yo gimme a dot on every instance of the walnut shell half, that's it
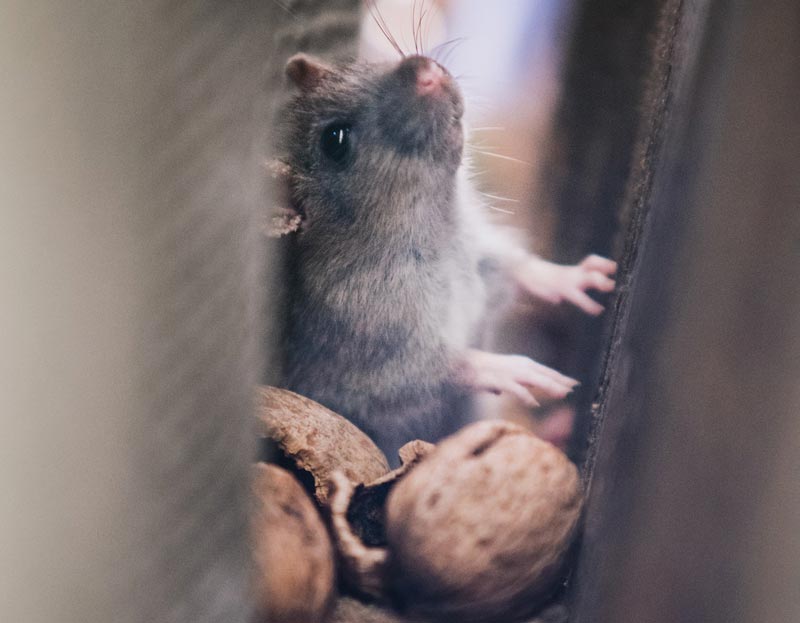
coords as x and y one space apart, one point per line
294 566
316 441
478 530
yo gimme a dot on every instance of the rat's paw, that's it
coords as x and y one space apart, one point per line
515 374
556 283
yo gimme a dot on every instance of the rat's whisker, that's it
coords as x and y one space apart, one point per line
452 49
441 46
496 209
501 156
448 55
380 22
432 12
414 26
418 13
424 30
419 26
499 198
446 48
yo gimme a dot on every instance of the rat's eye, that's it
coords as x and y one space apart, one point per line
336 141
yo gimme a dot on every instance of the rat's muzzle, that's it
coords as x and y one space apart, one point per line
423 108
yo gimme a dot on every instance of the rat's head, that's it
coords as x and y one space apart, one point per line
365 139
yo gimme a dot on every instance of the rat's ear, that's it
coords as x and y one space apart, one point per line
305 71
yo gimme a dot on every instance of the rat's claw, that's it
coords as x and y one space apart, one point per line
525 371
598 281
524 395
550 387
554 374
602 264
585 302
514 374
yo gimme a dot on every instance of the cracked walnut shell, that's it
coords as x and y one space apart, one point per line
313 441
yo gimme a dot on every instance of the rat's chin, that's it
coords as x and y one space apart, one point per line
446 149
455 138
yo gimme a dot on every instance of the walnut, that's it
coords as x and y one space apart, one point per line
479 529
313 441
358 520
294 565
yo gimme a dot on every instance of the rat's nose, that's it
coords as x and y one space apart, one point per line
430 77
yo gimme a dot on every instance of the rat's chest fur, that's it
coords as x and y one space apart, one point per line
377 311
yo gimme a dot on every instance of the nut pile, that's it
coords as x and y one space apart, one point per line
474 529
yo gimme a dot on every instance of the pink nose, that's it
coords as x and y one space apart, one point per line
429 78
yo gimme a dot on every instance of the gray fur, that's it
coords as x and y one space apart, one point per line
386 290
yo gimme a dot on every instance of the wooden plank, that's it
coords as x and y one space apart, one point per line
692 512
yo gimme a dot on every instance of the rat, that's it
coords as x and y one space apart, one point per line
394 267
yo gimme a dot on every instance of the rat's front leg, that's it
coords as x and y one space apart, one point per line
516 374
555 283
